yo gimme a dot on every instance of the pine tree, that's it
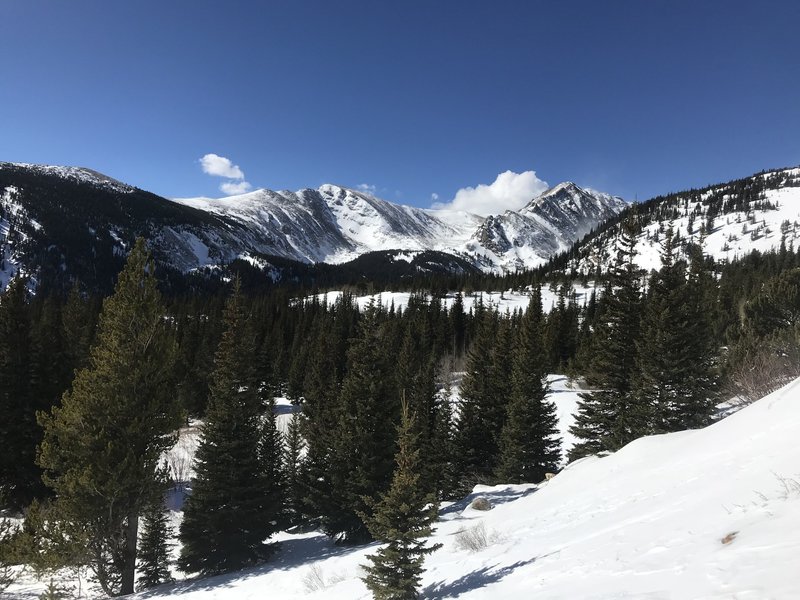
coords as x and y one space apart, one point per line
19 433
482 408
101 447
230 514
319 426
696 405
443 449
607 418
364 442
675 378
293 468
154 559
401 520
529 444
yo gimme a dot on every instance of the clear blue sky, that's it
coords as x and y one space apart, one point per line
632 97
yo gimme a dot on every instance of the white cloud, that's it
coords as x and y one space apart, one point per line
219 166
434 197
510 191
367 188
233 188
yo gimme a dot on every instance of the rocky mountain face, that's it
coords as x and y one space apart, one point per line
547 225
62 222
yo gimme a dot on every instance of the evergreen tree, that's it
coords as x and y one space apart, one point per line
293 468
656 382
474 439
101 447
675 378
319 426
696 405
529 444
401 519
230 513
607 418
154 559
363 447
19 475
443 449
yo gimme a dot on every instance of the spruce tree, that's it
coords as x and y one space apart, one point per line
293 469
101 447
401 520
675 379
154 558
319 426
481 411
529 444
229 515
607 417
19 475
696 405
364 442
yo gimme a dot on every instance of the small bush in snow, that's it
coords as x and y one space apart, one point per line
481 503
314 579
473 539
790 487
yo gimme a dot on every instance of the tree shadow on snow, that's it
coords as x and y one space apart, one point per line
472 581
290 553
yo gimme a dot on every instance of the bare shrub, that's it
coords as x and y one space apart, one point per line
179 461
766 369
790 487
472 539
314 579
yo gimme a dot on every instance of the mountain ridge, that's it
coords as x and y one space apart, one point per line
51 213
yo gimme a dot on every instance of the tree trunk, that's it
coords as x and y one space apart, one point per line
129 568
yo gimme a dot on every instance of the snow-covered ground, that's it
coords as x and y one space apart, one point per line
507 301
711 514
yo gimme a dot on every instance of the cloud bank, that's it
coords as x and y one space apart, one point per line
219 166
509 191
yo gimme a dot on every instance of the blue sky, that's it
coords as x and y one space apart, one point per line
636 98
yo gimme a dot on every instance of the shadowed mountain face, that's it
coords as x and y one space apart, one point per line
58 223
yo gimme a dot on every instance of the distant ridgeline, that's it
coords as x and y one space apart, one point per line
61 224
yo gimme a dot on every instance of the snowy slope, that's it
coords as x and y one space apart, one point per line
768 218
706 514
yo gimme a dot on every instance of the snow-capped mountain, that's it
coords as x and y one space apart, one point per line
64 221
727 220
334 224
547 225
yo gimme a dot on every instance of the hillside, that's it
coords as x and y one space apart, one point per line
728 220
